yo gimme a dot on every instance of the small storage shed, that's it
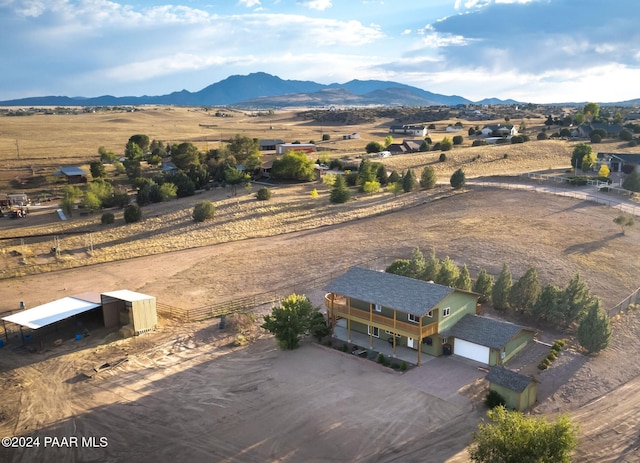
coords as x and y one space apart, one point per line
134 312
519 391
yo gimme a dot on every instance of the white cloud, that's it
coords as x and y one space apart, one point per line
406 32
249 3
319 5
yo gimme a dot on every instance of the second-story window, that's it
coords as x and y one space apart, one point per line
413 318
377 307
446 311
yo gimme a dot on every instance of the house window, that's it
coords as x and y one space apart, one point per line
446 311
374 331
430 314
377 307
413 318
391 334
444 340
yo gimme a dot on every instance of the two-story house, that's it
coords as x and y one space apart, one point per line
430 318
409 312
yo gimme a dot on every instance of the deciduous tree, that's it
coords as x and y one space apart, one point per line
290 321
512 437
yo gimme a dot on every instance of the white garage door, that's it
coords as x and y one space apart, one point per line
471 351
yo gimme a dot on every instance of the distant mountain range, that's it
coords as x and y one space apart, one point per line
263 91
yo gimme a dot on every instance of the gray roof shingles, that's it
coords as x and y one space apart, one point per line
508 378
407 295
484 331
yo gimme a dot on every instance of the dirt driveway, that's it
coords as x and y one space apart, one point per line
194 399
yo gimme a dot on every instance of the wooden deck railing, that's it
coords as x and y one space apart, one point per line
340 309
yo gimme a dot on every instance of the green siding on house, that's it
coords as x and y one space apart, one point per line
517 343
460 304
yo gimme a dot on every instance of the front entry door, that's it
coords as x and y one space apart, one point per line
411 343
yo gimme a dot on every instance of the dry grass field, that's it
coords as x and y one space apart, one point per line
183 382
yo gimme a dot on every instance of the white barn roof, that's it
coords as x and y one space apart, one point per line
126 295
51 312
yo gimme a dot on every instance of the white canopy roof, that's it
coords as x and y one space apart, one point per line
51 312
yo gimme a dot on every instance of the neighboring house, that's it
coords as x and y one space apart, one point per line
584 130
283 148
409 129
5 201
519 391
453 129
407 146
73 174
499 130
396 148
269 144
619 162
403 311
487 340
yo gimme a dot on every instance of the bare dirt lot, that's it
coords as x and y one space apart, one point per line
260 404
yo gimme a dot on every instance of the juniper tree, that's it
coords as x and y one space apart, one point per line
525 292
502 289
594 331
483 285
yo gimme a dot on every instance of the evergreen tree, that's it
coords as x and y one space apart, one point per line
428 178
393 177
526 291
448 273
340 192
464 279
409 182
547 304
483 285
594 331
417 264
502 289
381 174
578 300
432 267
458 179
632 181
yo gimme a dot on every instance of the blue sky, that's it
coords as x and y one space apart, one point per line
538 51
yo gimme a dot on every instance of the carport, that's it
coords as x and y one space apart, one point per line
52 312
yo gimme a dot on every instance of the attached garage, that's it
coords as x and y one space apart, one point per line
487 340
472 351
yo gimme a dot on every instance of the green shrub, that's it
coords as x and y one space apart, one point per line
381 359
203 210
552 355
403 366
543 365
263 194
132 213
506 155
443 157
107 218
345 348
494 399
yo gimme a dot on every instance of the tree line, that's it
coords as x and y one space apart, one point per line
565 307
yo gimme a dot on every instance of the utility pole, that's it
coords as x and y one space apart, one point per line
18 148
